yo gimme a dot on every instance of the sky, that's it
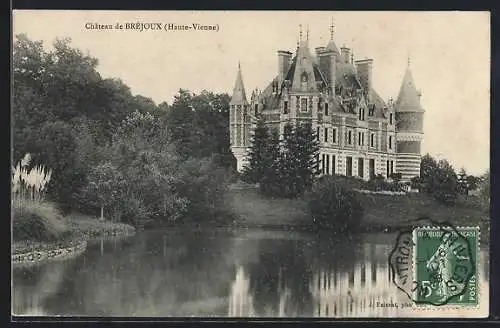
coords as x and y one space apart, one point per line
449 56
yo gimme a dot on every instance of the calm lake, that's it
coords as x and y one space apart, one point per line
220 273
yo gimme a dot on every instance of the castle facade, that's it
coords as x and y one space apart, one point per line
359 133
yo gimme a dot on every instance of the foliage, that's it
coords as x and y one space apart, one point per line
333 206
111 149
254 171
203 184
40 221
296 166
485 186
439 179
198 126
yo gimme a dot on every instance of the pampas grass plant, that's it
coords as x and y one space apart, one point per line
33 217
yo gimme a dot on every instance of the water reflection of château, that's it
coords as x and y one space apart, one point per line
363 290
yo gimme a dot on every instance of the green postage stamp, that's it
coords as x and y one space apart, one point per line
436 266
445 266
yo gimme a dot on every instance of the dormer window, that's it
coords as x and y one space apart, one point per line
371 110
326 109
303 80
390 118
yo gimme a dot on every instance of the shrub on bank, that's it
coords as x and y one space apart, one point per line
37 221
332 206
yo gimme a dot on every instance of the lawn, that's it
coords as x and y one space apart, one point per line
382 212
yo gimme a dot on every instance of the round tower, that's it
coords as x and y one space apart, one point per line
409 128
239 122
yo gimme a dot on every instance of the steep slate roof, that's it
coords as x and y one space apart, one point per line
408 98
379 104
304 64
346 76
239 96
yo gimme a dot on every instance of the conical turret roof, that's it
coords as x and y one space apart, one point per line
239 96
409 97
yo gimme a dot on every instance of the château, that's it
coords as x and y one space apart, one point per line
359 133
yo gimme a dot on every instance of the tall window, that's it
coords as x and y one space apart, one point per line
349 137
317 133
361 114
303 104
372 140
390 118
327 168
363 139
285 107
333 164
388 174
348 166
390 142
323 163
334 135
326 135
256 109
359 138
326 109
361 167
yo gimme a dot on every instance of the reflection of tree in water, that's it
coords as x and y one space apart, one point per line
36 284
151 274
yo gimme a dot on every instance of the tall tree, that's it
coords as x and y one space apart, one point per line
270 183
254 171
462 182
308 150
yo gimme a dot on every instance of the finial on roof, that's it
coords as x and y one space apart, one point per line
409 60
239 65
300 32
307 33
332 30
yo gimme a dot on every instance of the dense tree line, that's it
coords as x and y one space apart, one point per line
284 167
439 179
113 152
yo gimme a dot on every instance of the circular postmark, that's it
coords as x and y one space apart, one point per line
435 264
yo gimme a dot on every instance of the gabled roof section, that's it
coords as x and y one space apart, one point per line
303 69
409 97
239 96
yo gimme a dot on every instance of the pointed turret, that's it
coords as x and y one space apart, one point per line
331 45
409 97
409 128
239 96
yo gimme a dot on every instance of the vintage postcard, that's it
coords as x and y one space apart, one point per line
246 164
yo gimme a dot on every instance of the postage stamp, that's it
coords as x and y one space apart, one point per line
437 265
445 265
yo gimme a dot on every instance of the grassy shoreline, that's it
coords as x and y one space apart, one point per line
80 228
382 213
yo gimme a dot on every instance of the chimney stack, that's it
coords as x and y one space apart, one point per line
345 54
327 65
284 58
364 68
